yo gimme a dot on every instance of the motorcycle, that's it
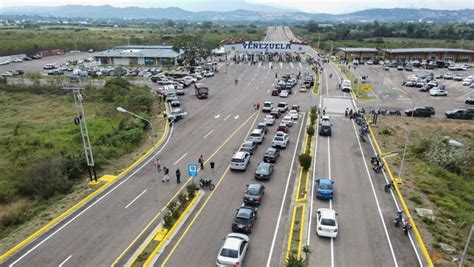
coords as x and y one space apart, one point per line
406 227
388 186
361 138
377 167
398 219
206 183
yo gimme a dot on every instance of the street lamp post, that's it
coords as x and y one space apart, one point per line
407 136
120 109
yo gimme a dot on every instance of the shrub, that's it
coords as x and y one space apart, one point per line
386 131
294 261
168 220
171 206
310 131
305 161
191 189
416 199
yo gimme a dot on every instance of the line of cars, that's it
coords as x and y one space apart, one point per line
234 248
284 86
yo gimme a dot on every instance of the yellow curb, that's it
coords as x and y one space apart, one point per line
160 245
108 178
84 200
161 234
402 201
292 225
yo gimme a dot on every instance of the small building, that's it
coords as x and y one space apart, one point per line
139 55
357 53
429 54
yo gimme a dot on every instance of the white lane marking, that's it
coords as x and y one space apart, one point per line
256 88
95 202
330 201
299 64
268 91
375 196
64 261
260 64
269 65
315 151
292 66
281 65
236 117
284 197
217 116
182 157
226 117
211 131
135 199
327 85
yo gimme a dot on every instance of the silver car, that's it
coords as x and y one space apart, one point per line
233 251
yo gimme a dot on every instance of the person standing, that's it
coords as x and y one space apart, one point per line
158 165
166 175
178 176
201 162
347 112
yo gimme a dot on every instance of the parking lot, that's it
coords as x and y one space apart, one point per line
38 64
390 93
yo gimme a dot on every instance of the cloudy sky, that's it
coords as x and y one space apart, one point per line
315 6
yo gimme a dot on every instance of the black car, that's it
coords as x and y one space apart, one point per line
420 112
325 129
249 146
461 114
425 88
470 99
244 219
254 194
264 171
271 155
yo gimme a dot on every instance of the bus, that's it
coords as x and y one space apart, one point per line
201 90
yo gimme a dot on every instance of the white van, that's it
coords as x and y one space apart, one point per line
240 160
257 135
346 86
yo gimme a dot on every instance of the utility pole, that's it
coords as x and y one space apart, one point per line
81 121
319 38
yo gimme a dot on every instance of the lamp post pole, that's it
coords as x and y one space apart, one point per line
120 109
406 138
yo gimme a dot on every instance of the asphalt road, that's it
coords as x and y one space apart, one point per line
96 234
389 93
366 236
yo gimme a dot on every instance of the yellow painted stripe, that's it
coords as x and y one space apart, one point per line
300 242
171 231
402 201
83 201
290 236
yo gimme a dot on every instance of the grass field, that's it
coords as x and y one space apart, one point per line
449 194
40 145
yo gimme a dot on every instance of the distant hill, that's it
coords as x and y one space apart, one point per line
269 15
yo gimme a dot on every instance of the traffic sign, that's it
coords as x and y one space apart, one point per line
192 170
366 87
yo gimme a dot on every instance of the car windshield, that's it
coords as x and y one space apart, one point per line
270 152
262 168
229 253
328 222
253 191
325 186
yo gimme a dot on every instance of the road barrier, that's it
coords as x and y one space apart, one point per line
108 179
402 201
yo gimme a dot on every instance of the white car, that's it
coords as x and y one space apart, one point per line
448 76
325 119
452 67
7 74
190 79
288 120
233 251
293 114
198 75
208 74
269 120
457 77
17 60
267 106
436 91
370 62
280 140
326 223
284 93
282 106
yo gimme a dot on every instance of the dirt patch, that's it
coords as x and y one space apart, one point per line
427 186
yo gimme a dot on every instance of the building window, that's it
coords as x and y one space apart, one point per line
149 61
465 58
448 58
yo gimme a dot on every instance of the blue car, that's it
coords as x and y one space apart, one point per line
324 189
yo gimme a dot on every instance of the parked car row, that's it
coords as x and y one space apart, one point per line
19 60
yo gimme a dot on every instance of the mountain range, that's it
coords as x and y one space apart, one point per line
271 15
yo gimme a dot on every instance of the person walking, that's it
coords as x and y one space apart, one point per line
166 175
347 112
178 176
158 164
350 114
201 162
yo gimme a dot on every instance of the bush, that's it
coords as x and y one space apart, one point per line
191 189
305 161
294 261
386 131
168 220
310 131
445 156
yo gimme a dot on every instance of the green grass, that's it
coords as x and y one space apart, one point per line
295 238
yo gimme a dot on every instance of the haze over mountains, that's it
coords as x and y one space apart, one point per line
259 13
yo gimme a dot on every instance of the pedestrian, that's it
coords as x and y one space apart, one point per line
201 162
276 75
158 164
347 112
350 114
324 111
212 165
178 176
166 175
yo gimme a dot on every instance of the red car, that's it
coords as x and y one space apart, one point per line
296 107
282 127
275 113
275 92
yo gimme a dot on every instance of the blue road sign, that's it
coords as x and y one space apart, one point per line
193 170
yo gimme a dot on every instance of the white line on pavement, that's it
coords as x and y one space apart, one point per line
284 197
236 117
217 116
176 162
64 261
226 117
93 204
375 196
256 88
135 199
211 131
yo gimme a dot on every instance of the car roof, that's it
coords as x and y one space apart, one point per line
257 131
232 242
240 154
263 163
269 116
327 213
245 212
254 186
325 181
272 149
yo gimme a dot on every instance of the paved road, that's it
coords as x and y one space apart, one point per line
366 235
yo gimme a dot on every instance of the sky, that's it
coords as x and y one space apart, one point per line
313 6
